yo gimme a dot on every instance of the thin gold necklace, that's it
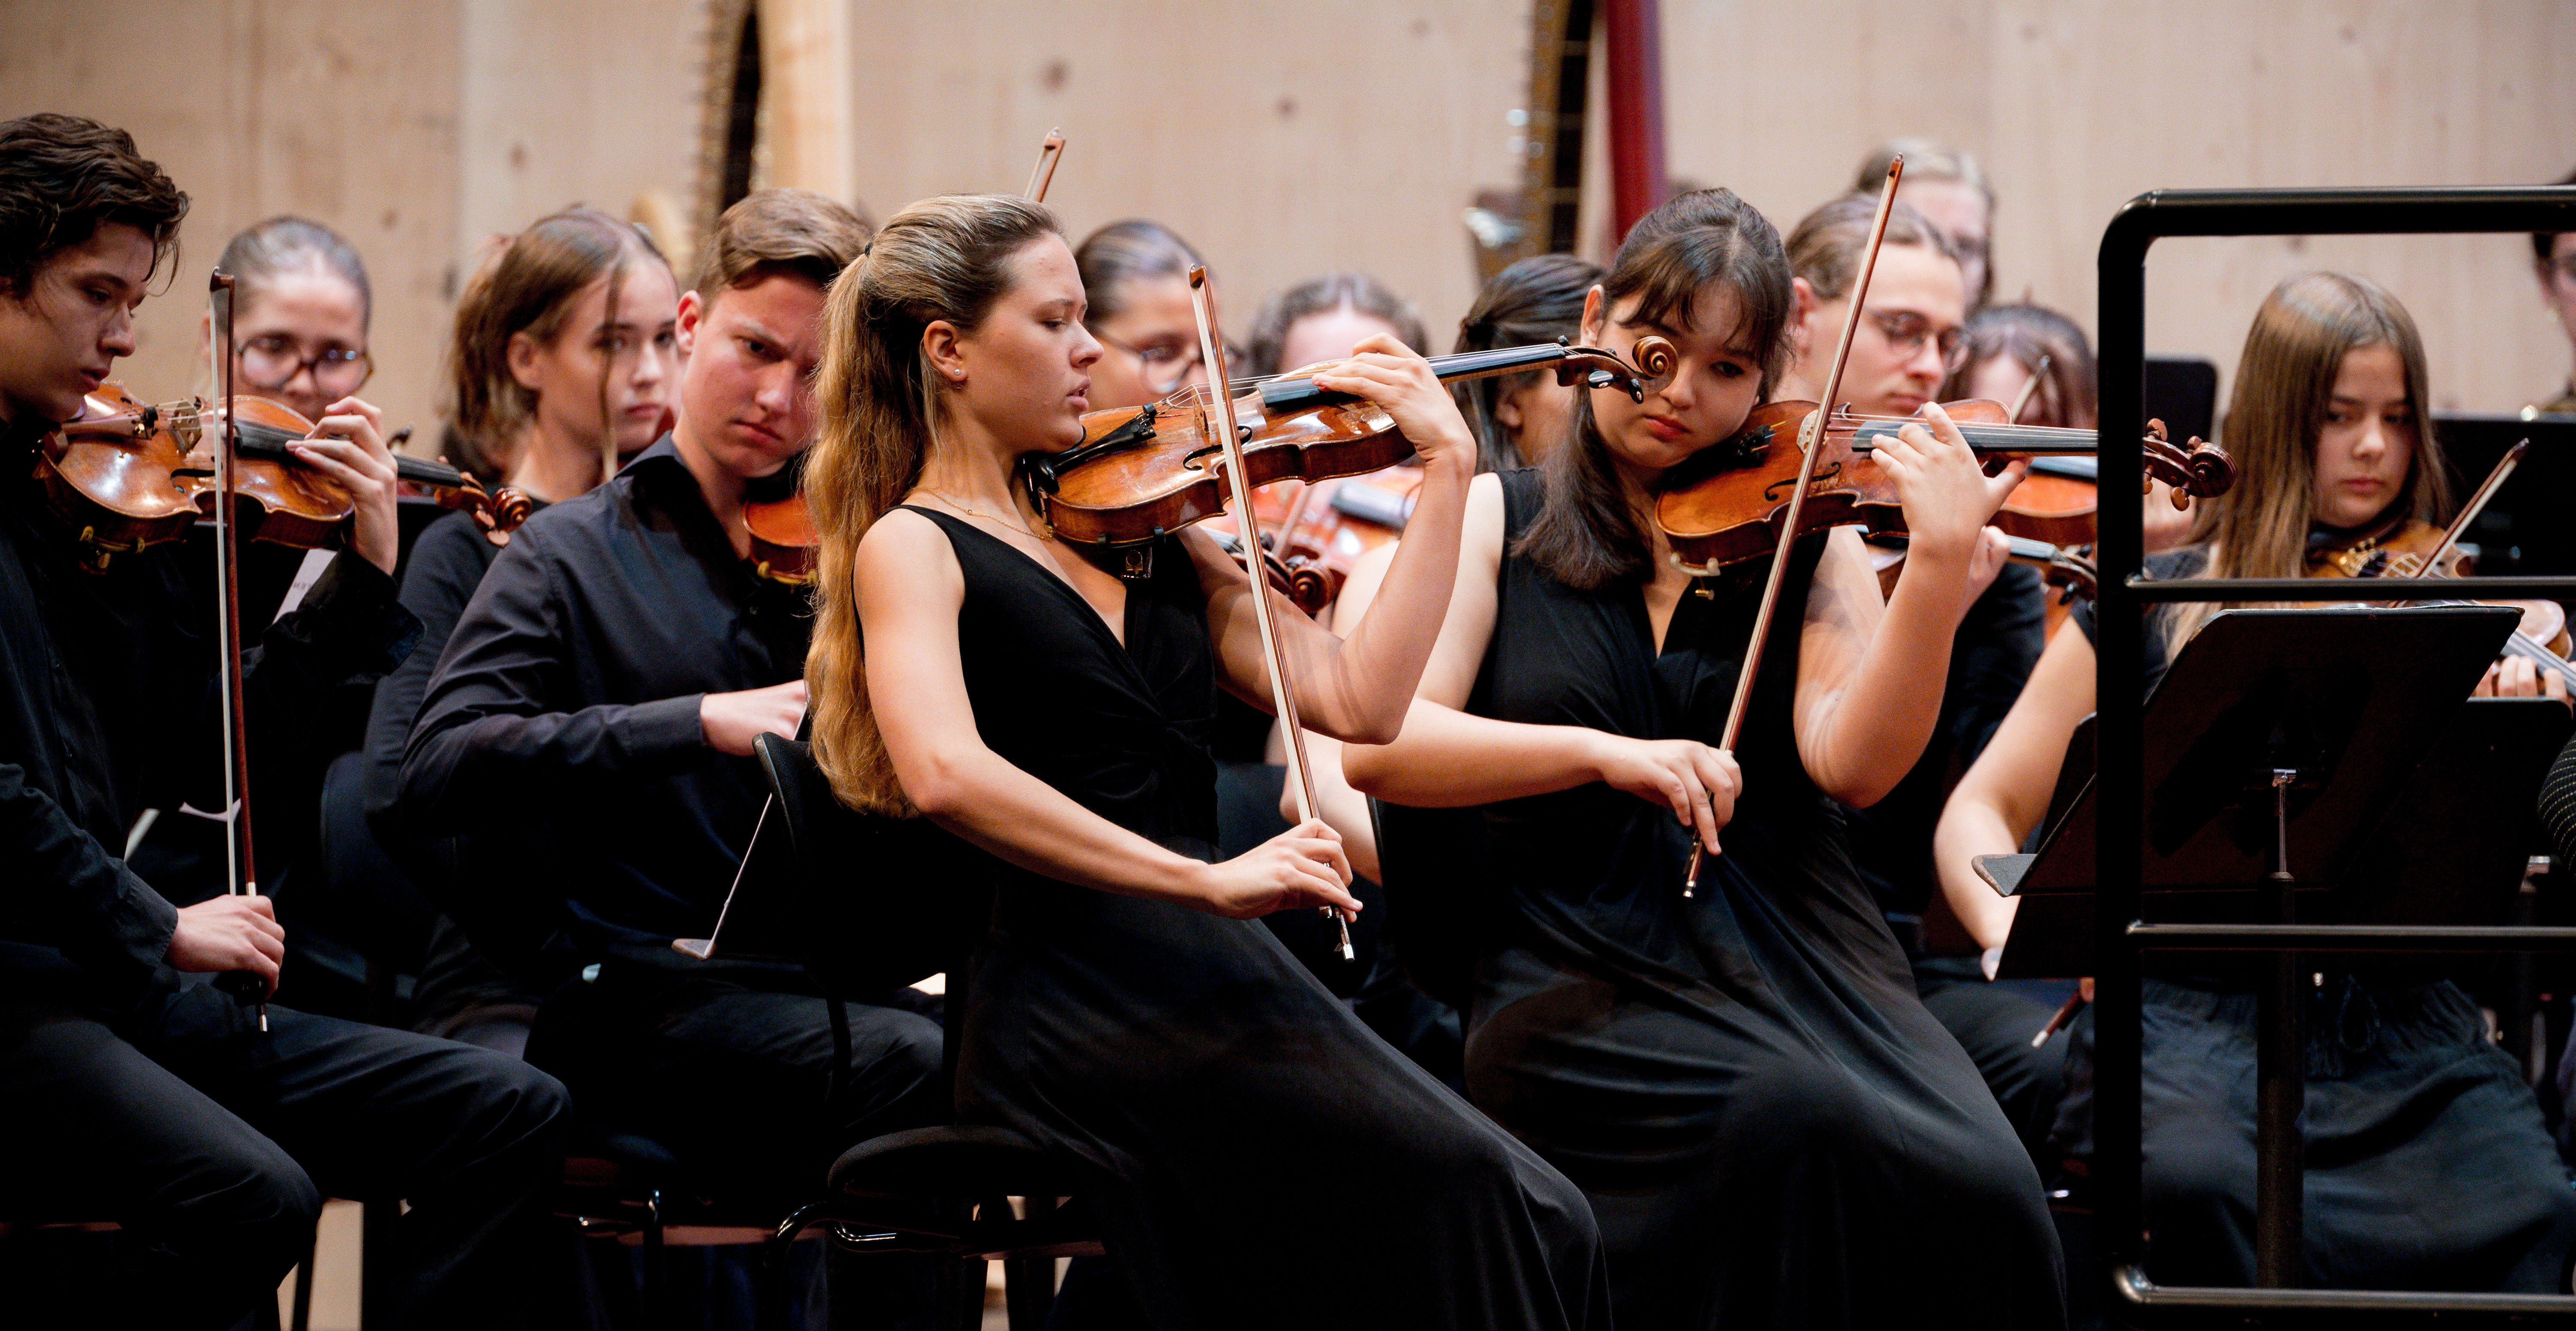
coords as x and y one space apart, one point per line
973 512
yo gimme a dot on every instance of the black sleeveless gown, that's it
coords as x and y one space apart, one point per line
1263 1160
1772 1129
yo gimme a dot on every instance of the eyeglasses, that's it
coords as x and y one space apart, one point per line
1162 365
272 360
1907 331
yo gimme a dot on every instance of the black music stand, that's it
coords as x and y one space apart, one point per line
2277 748
2349 699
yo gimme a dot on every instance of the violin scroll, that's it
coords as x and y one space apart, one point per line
2198 468
498 512
1649 366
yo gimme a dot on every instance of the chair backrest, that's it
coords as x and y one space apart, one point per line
2182 391
1435 865
874 903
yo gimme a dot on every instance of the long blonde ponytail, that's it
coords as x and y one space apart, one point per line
945 258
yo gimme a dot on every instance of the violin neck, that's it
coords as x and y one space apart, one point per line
2537 652
269 443
2042 440
1290 394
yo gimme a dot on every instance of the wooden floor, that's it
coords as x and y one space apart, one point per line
335 1277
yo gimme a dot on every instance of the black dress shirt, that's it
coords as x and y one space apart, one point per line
566 706
108 707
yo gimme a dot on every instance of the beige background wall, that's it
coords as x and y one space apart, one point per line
1285 140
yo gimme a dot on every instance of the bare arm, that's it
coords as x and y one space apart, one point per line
1870 676
1447 758
909 593
1356 687
2006 792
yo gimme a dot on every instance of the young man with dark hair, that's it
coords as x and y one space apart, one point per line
600 696
133 1090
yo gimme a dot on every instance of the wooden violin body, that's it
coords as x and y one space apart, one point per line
783 539
1321 530
1141 472
128 475
2050 506
1728 503
2401 554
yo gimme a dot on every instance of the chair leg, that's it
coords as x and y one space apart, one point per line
376 1223
657 1282
967 1313
1028 1283
304 1283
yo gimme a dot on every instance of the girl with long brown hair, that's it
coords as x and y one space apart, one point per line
561 360
564 354
1127 1011
2420 1115
1770 1127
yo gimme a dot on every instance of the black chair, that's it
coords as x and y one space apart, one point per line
944 1190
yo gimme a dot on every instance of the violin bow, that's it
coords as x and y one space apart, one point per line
1811 439
1220 425
2430 566
241 864
2028 390
1043 174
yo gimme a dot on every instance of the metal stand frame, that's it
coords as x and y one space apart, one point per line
2121 702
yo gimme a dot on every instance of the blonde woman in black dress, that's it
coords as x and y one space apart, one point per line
1260 1158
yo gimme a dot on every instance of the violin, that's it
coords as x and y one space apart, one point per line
2058 499
2414 548
128 475
1142 472
2541 638
1729 503
784 542
1325 528
2057 502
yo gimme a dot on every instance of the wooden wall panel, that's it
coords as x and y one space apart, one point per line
1282 142
2077 107
342 112
590 102
1343 134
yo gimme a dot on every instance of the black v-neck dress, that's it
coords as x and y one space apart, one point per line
1264 1161
1772 1129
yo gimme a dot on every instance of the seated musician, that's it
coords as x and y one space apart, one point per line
1136 274
2554 256
600 696
2004 348
299 317
561 364
1315 321
137 1092
2428 1166
1768 1125
1519 417
1902 350
1516 419
1949 188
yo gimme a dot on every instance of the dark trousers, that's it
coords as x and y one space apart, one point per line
732 1080
213 1146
